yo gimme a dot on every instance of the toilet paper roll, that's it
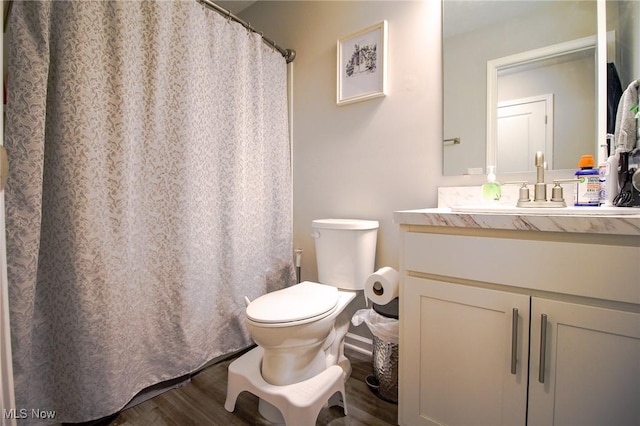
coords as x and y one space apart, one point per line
382 286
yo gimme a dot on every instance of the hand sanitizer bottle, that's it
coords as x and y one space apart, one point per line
491 190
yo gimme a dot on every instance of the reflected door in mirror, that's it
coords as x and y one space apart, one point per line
523 129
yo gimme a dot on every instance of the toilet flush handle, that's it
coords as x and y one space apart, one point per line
315 234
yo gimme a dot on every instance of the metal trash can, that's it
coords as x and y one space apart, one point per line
385 369
384 380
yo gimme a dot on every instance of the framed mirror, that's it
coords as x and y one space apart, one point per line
505 62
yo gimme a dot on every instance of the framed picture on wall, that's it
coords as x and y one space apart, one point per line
362 65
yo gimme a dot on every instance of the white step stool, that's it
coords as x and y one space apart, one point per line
299 403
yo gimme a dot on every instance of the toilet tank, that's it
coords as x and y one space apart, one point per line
345 251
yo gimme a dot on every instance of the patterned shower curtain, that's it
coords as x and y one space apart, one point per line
149 193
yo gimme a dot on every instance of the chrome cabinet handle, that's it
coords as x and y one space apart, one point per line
543 347
514 340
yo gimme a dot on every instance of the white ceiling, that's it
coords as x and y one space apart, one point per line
235 6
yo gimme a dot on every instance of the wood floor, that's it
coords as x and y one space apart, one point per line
201 402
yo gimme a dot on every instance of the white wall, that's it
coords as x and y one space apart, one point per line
367 159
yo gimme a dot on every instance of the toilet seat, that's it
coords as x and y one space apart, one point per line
299 304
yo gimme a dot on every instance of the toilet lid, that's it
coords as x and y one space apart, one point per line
295 303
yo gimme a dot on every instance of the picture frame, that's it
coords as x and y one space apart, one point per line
362 65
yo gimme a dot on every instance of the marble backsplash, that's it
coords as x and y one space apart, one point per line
450 196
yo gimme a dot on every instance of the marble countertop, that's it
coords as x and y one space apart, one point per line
610 224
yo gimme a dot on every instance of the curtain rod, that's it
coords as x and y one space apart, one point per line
288 54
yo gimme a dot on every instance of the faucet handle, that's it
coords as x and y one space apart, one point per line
523 193
556 192
539 160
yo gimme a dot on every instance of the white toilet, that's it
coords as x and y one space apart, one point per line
300 328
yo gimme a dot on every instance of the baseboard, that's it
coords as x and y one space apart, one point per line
359 344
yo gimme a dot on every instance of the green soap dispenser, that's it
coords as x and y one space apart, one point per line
491 190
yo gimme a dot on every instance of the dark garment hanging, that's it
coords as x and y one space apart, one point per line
614 93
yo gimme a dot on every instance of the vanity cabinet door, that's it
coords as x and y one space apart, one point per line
590 365
463 362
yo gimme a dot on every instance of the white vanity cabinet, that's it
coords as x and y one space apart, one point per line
474 304
591 362
457 355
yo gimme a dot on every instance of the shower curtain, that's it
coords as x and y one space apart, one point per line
149 193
